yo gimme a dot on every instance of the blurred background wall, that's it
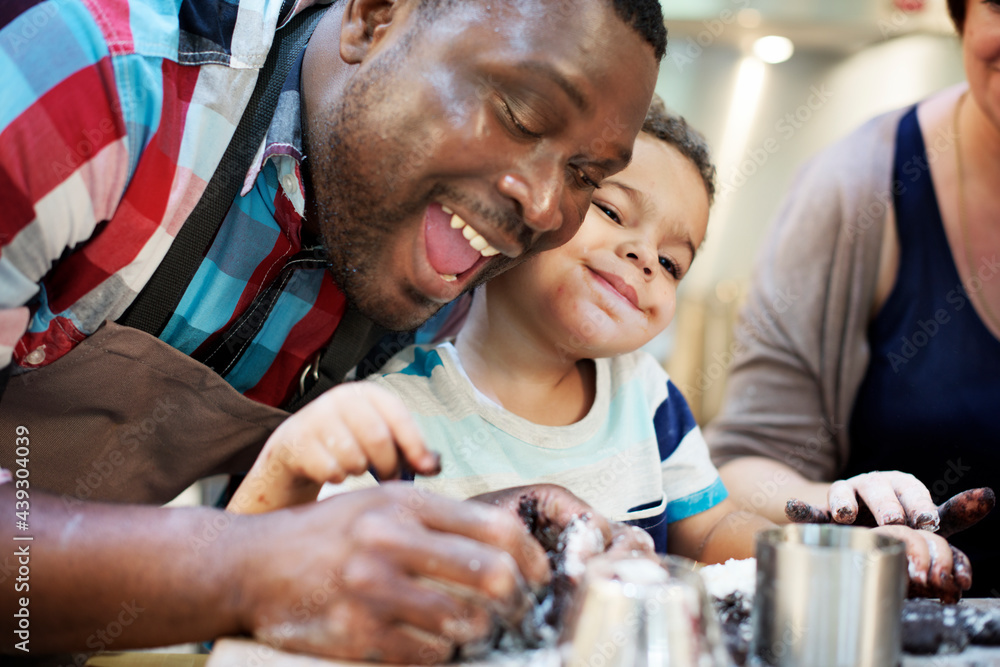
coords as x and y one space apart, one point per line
849 60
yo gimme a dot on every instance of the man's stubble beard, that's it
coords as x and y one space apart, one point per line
357 213
355 217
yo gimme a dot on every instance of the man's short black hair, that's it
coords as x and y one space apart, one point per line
646 17
643 16
957 10
674 130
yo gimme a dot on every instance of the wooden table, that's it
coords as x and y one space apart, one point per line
147 660
242 652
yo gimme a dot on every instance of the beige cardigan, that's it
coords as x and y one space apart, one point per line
803 332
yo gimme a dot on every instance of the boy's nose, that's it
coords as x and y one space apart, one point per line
643 258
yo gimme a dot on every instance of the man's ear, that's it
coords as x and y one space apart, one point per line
363 25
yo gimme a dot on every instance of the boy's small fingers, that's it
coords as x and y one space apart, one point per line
350 454
372 435
407 436
319 465
434 466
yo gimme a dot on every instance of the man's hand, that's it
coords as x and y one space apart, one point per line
391 574
345 431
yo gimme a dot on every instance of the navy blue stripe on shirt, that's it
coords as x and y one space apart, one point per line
673 420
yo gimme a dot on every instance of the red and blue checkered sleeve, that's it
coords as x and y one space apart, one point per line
64 144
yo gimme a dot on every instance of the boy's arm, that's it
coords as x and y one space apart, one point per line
345 431
717 534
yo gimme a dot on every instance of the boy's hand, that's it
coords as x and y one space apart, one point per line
552 506
344 432
629 541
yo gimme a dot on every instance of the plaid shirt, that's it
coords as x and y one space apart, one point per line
114 116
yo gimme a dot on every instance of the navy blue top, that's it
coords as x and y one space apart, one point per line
930 400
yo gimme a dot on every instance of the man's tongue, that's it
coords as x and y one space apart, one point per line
448 252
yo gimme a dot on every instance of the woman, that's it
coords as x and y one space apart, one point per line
889 356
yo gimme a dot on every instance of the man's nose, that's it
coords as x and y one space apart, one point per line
538 194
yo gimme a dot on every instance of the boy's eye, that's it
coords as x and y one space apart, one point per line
672 267
608 212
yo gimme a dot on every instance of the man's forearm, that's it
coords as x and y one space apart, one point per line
764 486
102 577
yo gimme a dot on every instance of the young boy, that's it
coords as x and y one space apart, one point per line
545 382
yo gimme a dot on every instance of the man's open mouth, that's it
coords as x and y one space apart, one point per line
453 246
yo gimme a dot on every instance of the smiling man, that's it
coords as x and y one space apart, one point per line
514 111
417 148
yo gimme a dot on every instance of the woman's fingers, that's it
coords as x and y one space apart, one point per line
799 511
879 493
965 509
936 569
962 569
843 502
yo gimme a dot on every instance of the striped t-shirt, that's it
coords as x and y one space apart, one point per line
637 455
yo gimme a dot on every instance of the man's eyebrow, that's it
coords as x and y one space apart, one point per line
615 164
575 95
638 199
581 102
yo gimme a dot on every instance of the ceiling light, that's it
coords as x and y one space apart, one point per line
773 49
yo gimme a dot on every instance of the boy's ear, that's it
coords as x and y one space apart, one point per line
363 25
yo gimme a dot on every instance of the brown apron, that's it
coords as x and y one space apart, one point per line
128 418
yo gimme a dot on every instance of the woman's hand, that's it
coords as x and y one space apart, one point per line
901 507
936 569
894 498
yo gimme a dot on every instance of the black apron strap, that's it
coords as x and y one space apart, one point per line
152 308
354 336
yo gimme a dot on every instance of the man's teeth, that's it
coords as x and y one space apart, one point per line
448 277
475 239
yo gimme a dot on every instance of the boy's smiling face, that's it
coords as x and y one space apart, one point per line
613 286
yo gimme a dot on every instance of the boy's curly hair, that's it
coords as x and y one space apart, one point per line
674 130
957 10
